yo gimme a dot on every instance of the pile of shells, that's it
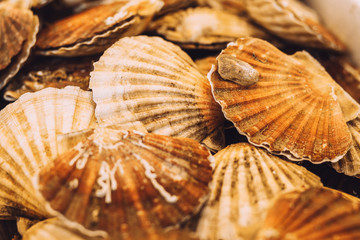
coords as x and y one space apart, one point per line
169 119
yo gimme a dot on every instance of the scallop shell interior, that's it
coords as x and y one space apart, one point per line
317 213
28 141
292 20
292 110
245 181
127 183
158 86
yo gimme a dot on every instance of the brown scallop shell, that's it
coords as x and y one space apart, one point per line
205 64
205 28
95 29
28 141
245 181
129 184
292 110
157 86
18 29
232 6
317 213
292 20
350 164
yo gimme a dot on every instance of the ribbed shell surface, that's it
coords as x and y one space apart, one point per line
292 110
294 21
233 6
18 29
129 184
151 81
28 133
205 28
317 213
350 164
245 181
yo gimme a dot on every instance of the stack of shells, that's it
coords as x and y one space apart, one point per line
139 151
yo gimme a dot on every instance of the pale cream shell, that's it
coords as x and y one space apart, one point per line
232 6
246 179
150 81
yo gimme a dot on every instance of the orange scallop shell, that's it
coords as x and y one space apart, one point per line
292 110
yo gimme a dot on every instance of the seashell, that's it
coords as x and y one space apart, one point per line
162 90
18 35
23 224
45 72
231 6
205 28
350 164
109 22
140 183
205 64
174 5
317 213
28 3
245 181
8 230
294 108
28 141
292 20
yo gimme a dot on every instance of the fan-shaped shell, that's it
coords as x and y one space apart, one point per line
94 30
18 29
294 21
127 183
245 181
317 213
292 110
28 141
28 3
205 64
174 5
158 85
350 164
205 28
232 6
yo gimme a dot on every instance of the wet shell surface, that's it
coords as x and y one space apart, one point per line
245 181
18 29
95 29
350 164
294 21
129 184
205 28
28 133
317 213
293 109
158 86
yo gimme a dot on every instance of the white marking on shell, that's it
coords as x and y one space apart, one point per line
81 158
114 19
73 184
149 173
139 133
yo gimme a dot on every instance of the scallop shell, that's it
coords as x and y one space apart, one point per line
107 24
294 21
205 28
292 110
317 213
232 6
28 141
350 164
205 64
158 86
128 184
245 181
28 3
174 5
18 34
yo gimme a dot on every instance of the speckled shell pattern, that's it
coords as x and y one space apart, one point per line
158 85
94 30
350 164
205 28
28 140
246 179
128 184
317 213
292 110
18 29
294 21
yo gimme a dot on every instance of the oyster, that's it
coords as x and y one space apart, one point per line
295 107
205 28
157 86
28 142
317 213
292 20
245 181
18 34
76 35
126 183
